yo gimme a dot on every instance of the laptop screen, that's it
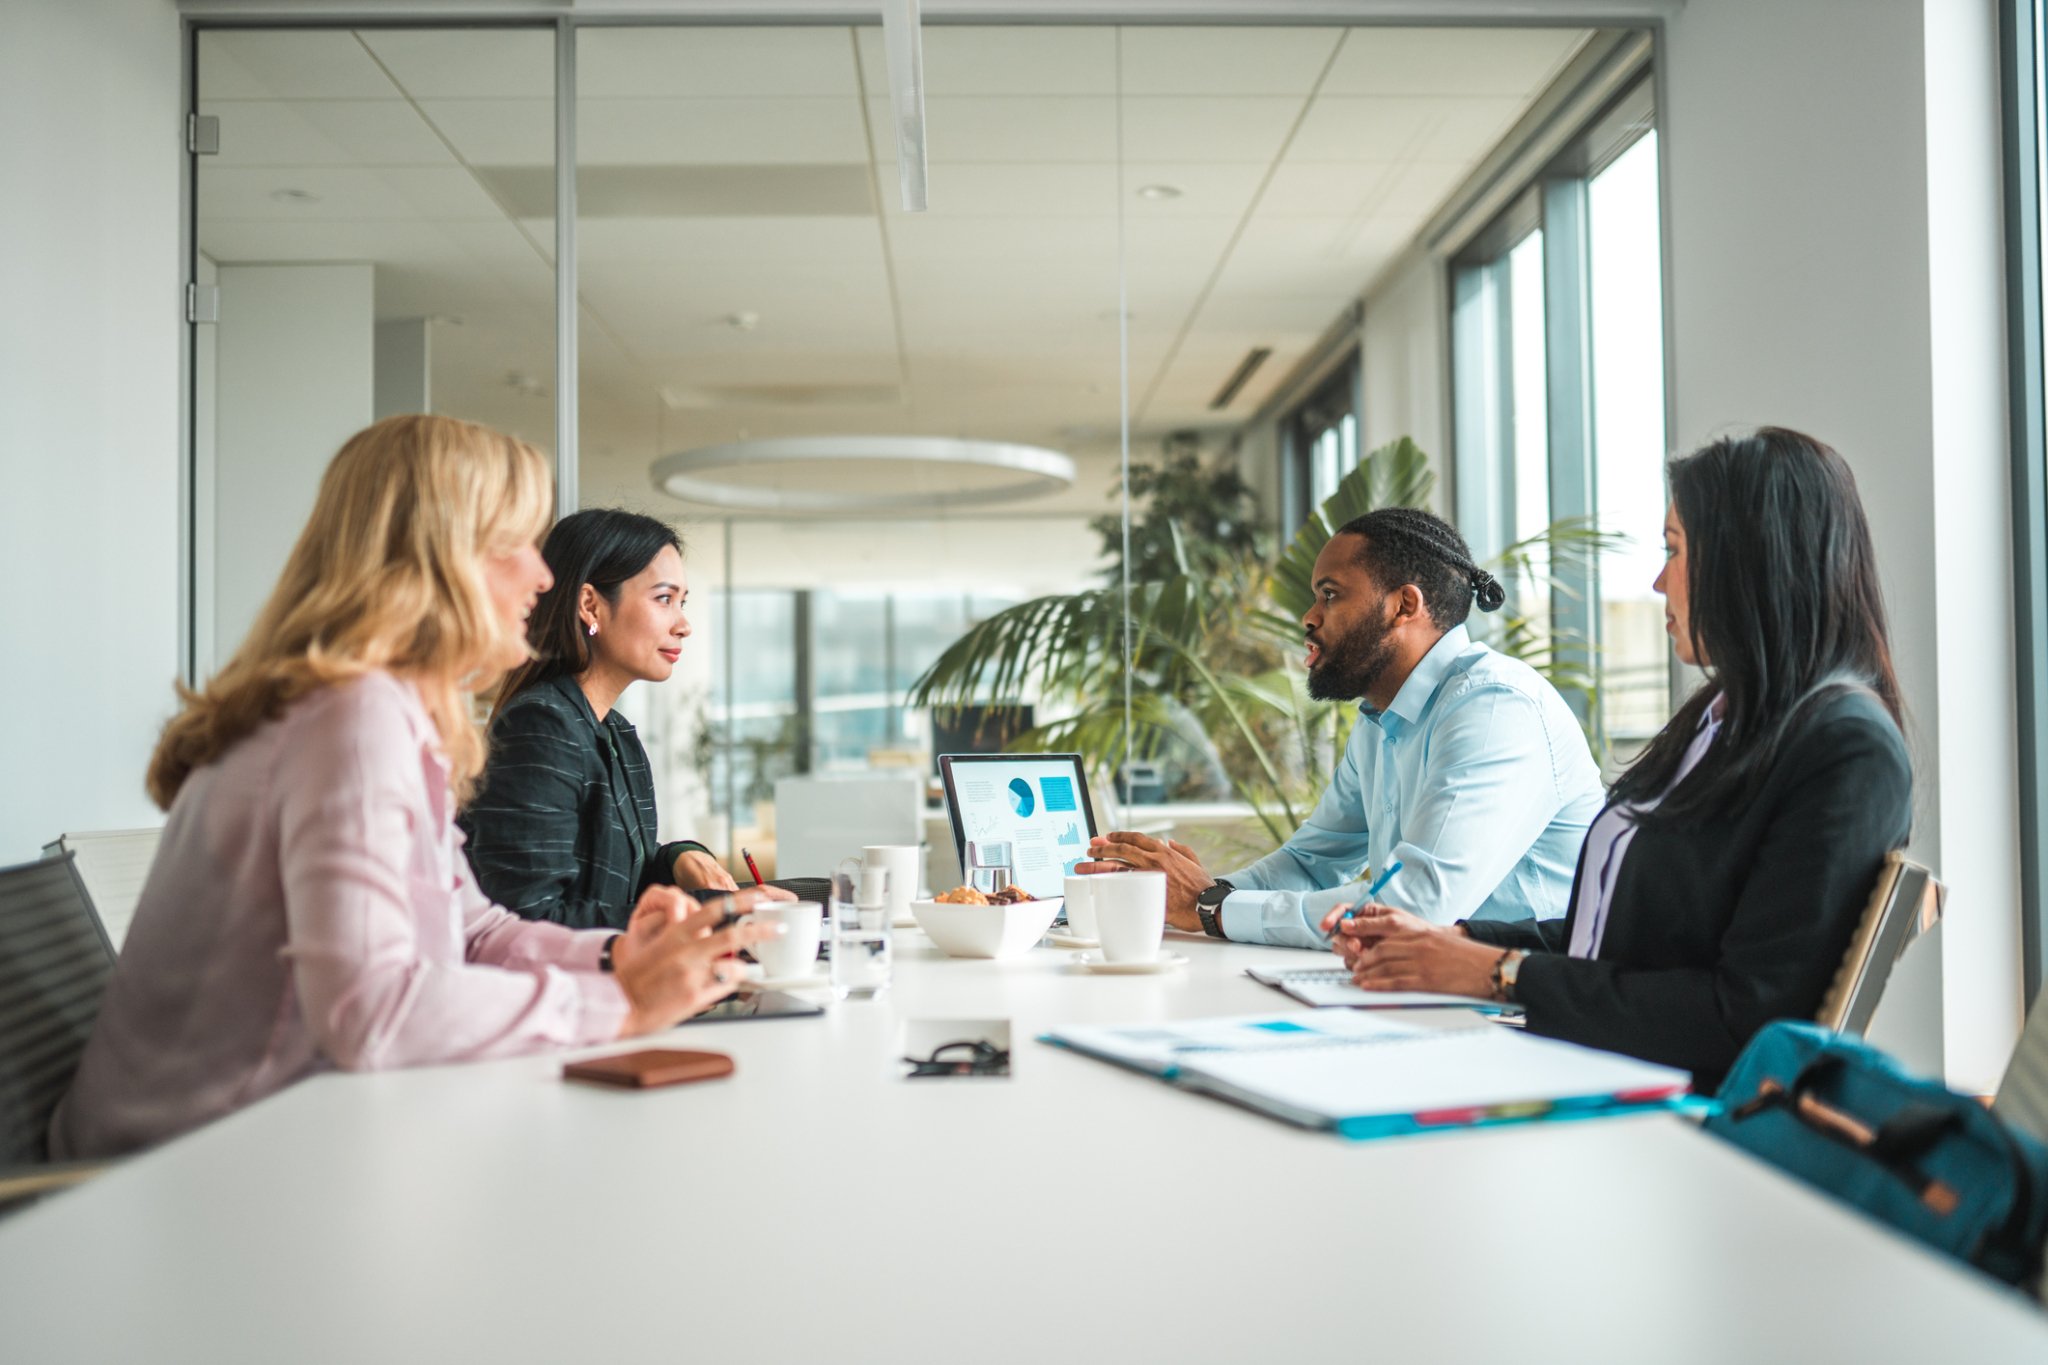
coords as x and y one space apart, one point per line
1037 802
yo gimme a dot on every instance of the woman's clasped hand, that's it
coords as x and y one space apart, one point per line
1386 949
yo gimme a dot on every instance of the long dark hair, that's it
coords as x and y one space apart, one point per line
601 546
1783 604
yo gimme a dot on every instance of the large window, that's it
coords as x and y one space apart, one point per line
1628 439
1321 437
1558 378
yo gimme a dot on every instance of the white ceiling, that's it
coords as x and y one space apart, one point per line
1308 158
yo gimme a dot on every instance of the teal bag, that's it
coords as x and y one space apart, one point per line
1938 1166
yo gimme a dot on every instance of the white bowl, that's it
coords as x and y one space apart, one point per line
986 930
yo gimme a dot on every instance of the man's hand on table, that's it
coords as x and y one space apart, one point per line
1123 850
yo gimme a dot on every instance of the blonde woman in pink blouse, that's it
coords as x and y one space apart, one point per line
310 906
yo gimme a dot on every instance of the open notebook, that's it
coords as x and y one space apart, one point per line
1327 986
1366 1075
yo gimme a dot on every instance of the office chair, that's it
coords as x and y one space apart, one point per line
54 964
1906 902
112 865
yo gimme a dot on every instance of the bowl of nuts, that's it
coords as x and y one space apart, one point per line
965 922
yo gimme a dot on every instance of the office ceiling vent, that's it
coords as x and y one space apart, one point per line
1239 377
819 191
682 397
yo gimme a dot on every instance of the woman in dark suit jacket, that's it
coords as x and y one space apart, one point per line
1721 885
562 826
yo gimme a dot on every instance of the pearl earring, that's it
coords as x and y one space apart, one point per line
593 628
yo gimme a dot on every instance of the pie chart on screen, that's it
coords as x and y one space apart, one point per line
1021 799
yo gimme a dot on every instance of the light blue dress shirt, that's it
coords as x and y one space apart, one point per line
1476 779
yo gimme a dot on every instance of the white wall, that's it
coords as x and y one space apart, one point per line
296 378
1406 347
89 410
1834 262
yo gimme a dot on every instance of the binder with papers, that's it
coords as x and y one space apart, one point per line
1367 1075
1324 987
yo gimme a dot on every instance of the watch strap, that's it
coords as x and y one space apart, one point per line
604 954
1209 907
1507 970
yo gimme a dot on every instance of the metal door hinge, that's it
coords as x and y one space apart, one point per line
202 303
202 134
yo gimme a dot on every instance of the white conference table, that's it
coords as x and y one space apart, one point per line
816 1206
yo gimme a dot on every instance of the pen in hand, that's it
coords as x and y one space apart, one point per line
1379 884
753 868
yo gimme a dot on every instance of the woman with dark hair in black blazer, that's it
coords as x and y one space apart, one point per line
562 826
1721 885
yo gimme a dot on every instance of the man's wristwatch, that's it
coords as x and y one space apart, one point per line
1507 970
1209 907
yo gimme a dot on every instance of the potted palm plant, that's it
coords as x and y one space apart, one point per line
1201 666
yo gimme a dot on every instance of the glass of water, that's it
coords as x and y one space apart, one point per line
859 912
988 866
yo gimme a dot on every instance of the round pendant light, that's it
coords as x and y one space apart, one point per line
861 473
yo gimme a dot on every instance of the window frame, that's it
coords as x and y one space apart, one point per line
2025 120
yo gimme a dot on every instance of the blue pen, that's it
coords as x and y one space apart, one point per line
1379 884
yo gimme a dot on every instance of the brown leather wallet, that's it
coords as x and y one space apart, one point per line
651 1067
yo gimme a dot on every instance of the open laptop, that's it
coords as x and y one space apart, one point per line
1037 803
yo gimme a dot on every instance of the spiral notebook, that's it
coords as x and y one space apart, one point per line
1324 987
1365 1075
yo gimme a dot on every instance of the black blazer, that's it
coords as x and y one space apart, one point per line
562 826
1718 928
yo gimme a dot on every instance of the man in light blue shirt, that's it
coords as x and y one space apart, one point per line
1466 767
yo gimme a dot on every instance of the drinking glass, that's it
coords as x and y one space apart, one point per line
859 912
988 866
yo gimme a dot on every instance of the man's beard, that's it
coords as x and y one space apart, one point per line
1350 666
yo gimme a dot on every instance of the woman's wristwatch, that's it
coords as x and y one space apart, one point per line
604 954
1507 970
1209 907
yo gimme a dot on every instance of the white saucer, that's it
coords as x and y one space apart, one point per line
907 922
1059 940
1092 962
810 980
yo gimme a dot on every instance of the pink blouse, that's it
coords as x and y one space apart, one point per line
310 907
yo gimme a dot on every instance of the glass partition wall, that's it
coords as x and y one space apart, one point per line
887 437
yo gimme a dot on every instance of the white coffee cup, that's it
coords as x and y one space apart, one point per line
795 951
1080 893
900 861
1130 914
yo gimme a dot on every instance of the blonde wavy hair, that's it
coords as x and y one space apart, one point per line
388 574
